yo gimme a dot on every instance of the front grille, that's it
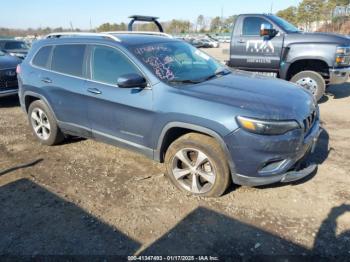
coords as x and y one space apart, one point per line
309 121
8 78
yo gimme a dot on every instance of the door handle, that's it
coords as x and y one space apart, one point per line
46 80
94 91
241 41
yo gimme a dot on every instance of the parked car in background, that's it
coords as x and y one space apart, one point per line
14 47
267 43
211 43
172 102
8 77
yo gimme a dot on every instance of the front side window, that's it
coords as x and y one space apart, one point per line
69 59
108 64
41 59
15 45
177 61
252 26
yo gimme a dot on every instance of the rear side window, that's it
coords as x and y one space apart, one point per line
252 25
108 64
41 58
68 59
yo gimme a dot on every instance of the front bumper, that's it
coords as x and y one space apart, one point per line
251 154
339 75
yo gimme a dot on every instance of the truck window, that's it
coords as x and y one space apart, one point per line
252 25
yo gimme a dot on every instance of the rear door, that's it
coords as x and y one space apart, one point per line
64 87
252 52
117 115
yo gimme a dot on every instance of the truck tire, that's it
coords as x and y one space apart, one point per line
43 124
311 81
196 164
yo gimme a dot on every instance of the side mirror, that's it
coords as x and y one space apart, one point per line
131 80
267 30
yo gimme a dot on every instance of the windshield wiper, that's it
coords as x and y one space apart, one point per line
184 81
218 73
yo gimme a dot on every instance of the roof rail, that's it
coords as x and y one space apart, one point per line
73 34
140 33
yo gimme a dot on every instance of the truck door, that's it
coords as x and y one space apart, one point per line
250 51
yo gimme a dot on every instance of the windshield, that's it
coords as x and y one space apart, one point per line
16 45
2 53
178 62
284 24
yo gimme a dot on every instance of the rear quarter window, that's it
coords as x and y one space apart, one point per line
69 59
41 58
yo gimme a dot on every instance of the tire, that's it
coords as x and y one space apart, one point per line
43 124
311 81
211 175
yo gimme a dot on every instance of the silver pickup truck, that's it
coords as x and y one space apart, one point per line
267 43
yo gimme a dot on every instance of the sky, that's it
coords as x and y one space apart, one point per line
60 13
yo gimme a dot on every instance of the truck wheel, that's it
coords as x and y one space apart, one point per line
311 81
43 124
196 164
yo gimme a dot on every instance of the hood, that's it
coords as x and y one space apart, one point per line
257 96
7 61
18 51
320 38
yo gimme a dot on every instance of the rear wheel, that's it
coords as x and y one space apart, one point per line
43 124
196 164
311 81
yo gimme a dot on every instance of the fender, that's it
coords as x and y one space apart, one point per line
306 51
201 129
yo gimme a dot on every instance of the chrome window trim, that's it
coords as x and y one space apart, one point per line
149 86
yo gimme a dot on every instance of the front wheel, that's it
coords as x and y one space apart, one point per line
311 81
196 164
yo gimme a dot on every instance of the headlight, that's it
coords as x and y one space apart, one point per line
264 127
342 55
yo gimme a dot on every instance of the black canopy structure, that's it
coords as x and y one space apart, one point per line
142 18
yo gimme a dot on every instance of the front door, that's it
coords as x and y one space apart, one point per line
254 52
121 115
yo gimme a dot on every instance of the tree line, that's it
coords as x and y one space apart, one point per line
307 12
175 26
310 11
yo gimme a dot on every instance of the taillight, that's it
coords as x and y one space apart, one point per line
18 69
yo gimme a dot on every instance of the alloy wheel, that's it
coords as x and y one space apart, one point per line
193 170
40 123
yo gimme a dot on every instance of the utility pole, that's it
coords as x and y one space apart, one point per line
271 9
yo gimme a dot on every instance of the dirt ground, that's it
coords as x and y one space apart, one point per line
88 198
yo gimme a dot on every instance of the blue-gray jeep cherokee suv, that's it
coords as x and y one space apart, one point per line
173 103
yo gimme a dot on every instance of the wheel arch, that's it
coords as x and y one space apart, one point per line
29 97
174 130
316 64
